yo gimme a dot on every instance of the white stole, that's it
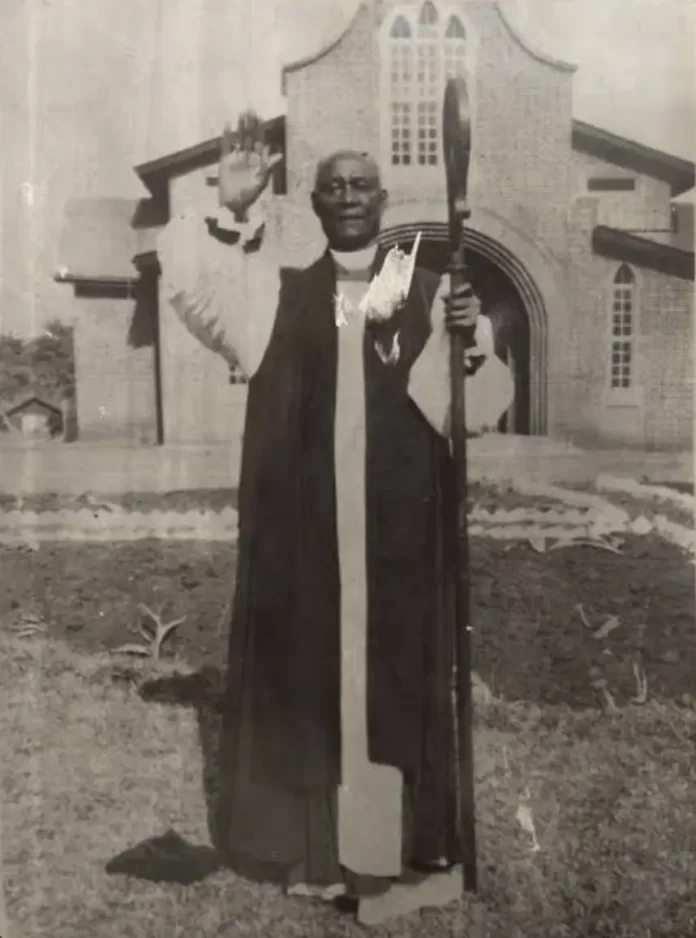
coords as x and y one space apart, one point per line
370 836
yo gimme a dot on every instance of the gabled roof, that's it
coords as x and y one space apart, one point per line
622 246
586 138
678 172
23 400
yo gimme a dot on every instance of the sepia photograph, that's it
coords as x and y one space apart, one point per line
347 510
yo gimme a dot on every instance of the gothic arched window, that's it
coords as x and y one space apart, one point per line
623 328
423 48
428 15
400 29
455 48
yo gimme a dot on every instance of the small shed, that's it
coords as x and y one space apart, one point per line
36 415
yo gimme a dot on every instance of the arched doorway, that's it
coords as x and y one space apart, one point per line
500 301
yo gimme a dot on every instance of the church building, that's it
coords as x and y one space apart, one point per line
577 242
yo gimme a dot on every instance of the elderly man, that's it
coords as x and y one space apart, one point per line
343 542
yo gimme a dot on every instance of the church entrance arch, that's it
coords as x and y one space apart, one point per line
512 298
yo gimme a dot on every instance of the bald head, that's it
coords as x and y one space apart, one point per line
327 166
348 199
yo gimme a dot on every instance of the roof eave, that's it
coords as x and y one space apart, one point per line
595 141
664 258
106 280
16 405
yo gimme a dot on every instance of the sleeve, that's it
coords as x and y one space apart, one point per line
224 294
489 392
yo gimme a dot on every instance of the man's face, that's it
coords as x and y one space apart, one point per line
348 200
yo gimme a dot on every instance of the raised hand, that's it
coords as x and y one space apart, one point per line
245 166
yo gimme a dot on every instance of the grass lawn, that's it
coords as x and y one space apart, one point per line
102 766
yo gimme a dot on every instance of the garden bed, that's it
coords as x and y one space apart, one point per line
530 641
487 495
181 501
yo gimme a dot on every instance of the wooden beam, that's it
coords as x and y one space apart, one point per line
643 252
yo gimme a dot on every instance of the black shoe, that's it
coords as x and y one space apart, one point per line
346 905
428 867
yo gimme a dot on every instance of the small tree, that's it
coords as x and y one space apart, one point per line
43 363
53 360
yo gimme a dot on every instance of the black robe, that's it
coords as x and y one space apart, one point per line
282 697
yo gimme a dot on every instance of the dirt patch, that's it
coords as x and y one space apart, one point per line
189 500
530 643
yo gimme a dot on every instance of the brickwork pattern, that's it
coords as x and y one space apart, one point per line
115 381
525 175
659 413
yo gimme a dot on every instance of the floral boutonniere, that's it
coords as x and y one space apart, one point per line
389 289
385 294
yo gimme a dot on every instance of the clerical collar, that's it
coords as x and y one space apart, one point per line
355 260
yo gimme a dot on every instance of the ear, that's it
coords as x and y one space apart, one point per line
315 203
384 198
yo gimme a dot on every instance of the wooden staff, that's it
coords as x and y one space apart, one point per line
457 149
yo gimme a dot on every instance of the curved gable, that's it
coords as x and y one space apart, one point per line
325 49
528 47
513 31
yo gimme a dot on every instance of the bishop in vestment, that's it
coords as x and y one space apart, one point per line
345 469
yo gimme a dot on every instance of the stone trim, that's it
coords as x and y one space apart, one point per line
583 516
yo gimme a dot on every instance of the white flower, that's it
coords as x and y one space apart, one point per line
342 309
392 356
388 290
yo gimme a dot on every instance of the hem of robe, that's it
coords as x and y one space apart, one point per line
310 850
274 834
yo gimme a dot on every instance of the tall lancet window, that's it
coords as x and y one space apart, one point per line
401 91
623 329
422 48
455 48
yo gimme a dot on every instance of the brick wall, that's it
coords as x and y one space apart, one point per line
666 327
658 411
521 132
532 188
115 381
330 105
647 207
